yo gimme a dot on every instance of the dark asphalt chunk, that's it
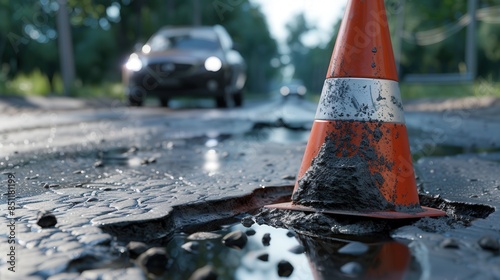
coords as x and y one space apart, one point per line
488 243
46 220
285 269
299 249
135 249
266 239
247 221
235 239
263 257
154 261
250 232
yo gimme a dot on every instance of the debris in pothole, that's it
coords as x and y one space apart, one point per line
247 221
488 243
46 220
285 269
205 273
203 236
236 239
353 269
154 261
135 249
354 248
266 239
298 249
263 257
191 247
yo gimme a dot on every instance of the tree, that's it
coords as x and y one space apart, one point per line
105 32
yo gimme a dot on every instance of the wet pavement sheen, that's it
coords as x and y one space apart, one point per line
123 172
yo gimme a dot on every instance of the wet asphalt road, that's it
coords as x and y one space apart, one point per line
113 160
62 141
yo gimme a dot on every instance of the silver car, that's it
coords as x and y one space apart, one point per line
186 61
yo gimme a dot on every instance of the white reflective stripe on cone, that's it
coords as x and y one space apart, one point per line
359 99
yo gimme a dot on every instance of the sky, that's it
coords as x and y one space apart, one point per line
322 13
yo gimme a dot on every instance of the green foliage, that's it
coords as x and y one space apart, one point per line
28 35
479 88
34 83
311 64
28 39
102 90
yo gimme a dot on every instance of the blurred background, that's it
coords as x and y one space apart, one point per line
446 48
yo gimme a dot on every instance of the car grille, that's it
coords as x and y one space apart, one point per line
171 70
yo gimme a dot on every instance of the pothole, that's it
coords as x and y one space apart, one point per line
460 211
280 243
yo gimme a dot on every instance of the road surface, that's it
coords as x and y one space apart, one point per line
106 170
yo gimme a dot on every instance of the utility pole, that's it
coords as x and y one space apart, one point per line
66 56
399 35
471 47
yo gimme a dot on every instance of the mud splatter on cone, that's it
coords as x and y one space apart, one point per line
358 161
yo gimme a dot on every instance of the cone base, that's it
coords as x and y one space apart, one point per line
390 215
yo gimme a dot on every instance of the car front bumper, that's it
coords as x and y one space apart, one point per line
197 84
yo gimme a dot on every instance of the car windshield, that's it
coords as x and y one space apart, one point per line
191 40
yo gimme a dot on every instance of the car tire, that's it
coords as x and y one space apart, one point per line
164 101
238 98
222 101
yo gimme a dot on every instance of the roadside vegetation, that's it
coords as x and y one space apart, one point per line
104 33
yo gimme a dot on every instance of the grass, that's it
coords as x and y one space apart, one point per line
37 84
478 88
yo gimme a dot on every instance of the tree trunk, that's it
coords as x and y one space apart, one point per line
65 47
196 13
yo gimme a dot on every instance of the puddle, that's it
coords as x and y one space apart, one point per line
274 253
254 261
305 246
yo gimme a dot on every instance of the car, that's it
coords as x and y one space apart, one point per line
186 62
293 88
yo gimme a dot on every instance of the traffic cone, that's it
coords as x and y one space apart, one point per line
357 160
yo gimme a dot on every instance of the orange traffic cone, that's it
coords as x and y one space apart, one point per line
358 161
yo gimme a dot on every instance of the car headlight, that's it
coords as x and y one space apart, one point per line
213 64
285 91
134 63
301 90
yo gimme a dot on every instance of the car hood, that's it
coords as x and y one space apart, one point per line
180 56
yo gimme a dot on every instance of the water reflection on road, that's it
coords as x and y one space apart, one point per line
309 257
